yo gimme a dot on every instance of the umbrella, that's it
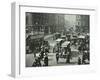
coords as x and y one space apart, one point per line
74 50
57 33
81 37
63 36
58 40
65 43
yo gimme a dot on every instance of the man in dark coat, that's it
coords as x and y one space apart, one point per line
57 57
46 60
42 53
68 58
79 60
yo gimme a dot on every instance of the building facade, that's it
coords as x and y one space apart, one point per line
44 23
82 23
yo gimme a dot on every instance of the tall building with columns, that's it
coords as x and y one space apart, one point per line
45 22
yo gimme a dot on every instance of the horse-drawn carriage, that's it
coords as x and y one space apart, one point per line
63 50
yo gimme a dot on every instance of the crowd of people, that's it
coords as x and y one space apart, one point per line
42 59
64 53
82 48
42 47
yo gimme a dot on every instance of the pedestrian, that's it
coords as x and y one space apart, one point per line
34 63
42 53
46 60
57 57
79 60
39 61
83 58
68 58
46 50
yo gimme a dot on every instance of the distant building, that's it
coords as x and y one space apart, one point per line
44 22
82 23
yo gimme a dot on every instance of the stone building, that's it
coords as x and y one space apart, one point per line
46 23
82 23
